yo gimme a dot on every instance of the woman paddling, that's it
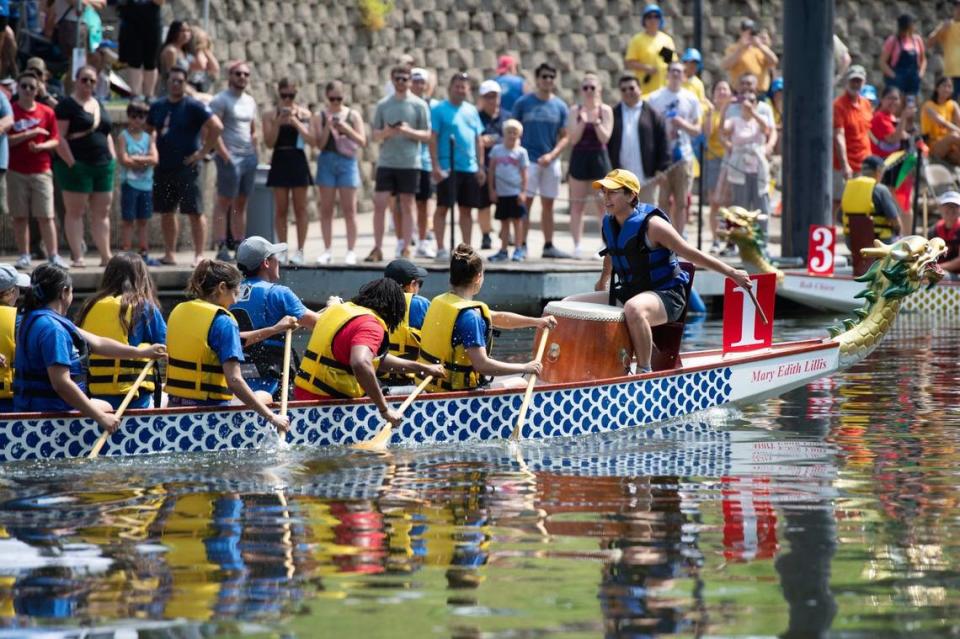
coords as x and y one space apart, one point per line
349 346
458 330
125 308
48 374
206 349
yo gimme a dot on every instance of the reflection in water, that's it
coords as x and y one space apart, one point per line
829 511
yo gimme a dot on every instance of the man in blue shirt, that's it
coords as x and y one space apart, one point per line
511 83
459 183
544 119
179 121
262 303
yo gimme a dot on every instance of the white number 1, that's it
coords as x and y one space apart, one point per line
748 319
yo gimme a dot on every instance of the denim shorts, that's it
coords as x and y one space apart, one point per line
135 204
337 171
237 176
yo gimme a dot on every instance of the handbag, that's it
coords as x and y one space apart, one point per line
345 145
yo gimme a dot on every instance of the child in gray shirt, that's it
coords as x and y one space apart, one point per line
508 188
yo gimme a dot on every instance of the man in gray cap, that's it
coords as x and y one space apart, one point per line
405 339
948 230
865 195
264 310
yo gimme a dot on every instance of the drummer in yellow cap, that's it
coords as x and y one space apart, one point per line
642 249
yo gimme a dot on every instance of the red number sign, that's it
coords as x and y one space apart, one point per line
821 249
743 325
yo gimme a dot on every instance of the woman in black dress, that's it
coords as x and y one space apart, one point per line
286 129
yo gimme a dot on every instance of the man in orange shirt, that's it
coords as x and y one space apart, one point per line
852 115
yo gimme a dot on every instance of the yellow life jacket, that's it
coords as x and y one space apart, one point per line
194 370
858 200
320 373
108 376
436 344
404 343
8 347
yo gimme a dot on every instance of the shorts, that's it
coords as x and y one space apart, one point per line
678 184
711 171
543 180
839 182
484 201
4 210
236 178
397 181
426 190
589 164
674 299
509 208
179 189
337 171
31 194
135 204
139 36
84 177
464 190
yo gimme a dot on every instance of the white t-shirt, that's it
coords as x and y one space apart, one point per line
630 153
684 104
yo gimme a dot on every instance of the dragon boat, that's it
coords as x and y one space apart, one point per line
838 292
583 402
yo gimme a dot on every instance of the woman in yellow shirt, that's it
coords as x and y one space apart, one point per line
940 122
713 158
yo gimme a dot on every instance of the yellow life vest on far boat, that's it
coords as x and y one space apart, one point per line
858 200
108 376
320 373
8 347
194 370
436 344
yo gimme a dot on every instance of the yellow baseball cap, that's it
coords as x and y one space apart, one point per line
619 179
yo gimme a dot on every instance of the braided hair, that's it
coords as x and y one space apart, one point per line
385 298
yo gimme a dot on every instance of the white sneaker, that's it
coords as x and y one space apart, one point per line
56 260
283 257
442 255
427 248
297 258
23 262
325 258
399 251
578 253
350 259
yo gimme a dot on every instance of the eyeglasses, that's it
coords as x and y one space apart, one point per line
588 87
87 80
28 87
547 76
334 98
604 191
242 74
628 88
461 76
401 78
287 96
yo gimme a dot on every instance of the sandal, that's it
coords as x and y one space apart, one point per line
167 262
81 263
376 255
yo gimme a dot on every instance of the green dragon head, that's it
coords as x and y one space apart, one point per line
900 269
744 229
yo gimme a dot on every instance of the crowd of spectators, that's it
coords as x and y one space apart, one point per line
432 155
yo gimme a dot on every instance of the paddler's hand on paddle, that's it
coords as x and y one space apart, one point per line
741 277
109 422
286 323
533 368
281 423
392 416
547 321
437 371
155 351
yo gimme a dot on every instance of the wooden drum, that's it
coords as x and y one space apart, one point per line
590 341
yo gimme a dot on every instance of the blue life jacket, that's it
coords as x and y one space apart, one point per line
250 312
636 266
34 384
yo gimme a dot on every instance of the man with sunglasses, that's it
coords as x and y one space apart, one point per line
649 51
544 119
638 142
236 157
187 131
401 123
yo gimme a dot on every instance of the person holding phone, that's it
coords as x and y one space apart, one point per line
751 53
650 51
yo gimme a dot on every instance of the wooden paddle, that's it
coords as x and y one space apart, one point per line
379 441
285 379
522 415
123 406
763 316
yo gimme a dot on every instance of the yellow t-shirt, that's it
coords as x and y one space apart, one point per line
645 49
752 61
929 127
694 85
950 44
715 148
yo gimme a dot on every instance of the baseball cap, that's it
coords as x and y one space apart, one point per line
872 162
8 82
404 271
38 64
619 179
748 25
856 71
505 62
10 277
254 250
489 86
949 197
418 73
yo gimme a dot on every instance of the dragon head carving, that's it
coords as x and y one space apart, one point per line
900 269
745 229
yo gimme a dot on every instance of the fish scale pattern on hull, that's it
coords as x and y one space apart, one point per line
564 412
